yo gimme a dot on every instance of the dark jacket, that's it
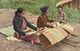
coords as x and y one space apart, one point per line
42 21
17 25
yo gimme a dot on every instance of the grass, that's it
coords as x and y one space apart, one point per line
30 6
34 5
73 15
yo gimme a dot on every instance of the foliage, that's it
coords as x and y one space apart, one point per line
34 5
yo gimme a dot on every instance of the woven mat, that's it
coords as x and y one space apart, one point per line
8 31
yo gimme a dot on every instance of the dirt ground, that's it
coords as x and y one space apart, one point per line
69 44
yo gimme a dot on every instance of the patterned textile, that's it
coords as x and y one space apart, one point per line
29 38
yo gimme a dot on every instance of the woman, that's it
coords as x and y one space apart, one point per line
20 24
43 19
61 16
53 35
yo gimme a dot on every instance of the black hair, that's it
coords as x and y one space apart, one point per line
60 7
19 10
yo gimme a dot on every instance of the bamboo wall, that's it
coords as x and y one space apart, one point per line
74 4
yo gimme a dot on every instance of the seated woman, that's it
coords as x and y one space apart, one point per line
52 35
43 18
20 24
61 17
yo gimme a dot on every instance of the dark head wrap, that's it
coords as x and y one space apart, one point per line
19 10
44 9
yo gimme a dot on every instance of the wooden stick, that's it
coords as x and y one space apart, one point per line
69 44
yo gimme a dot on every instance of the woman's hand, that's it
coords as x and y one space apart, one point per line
49 26
40 30
28 30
